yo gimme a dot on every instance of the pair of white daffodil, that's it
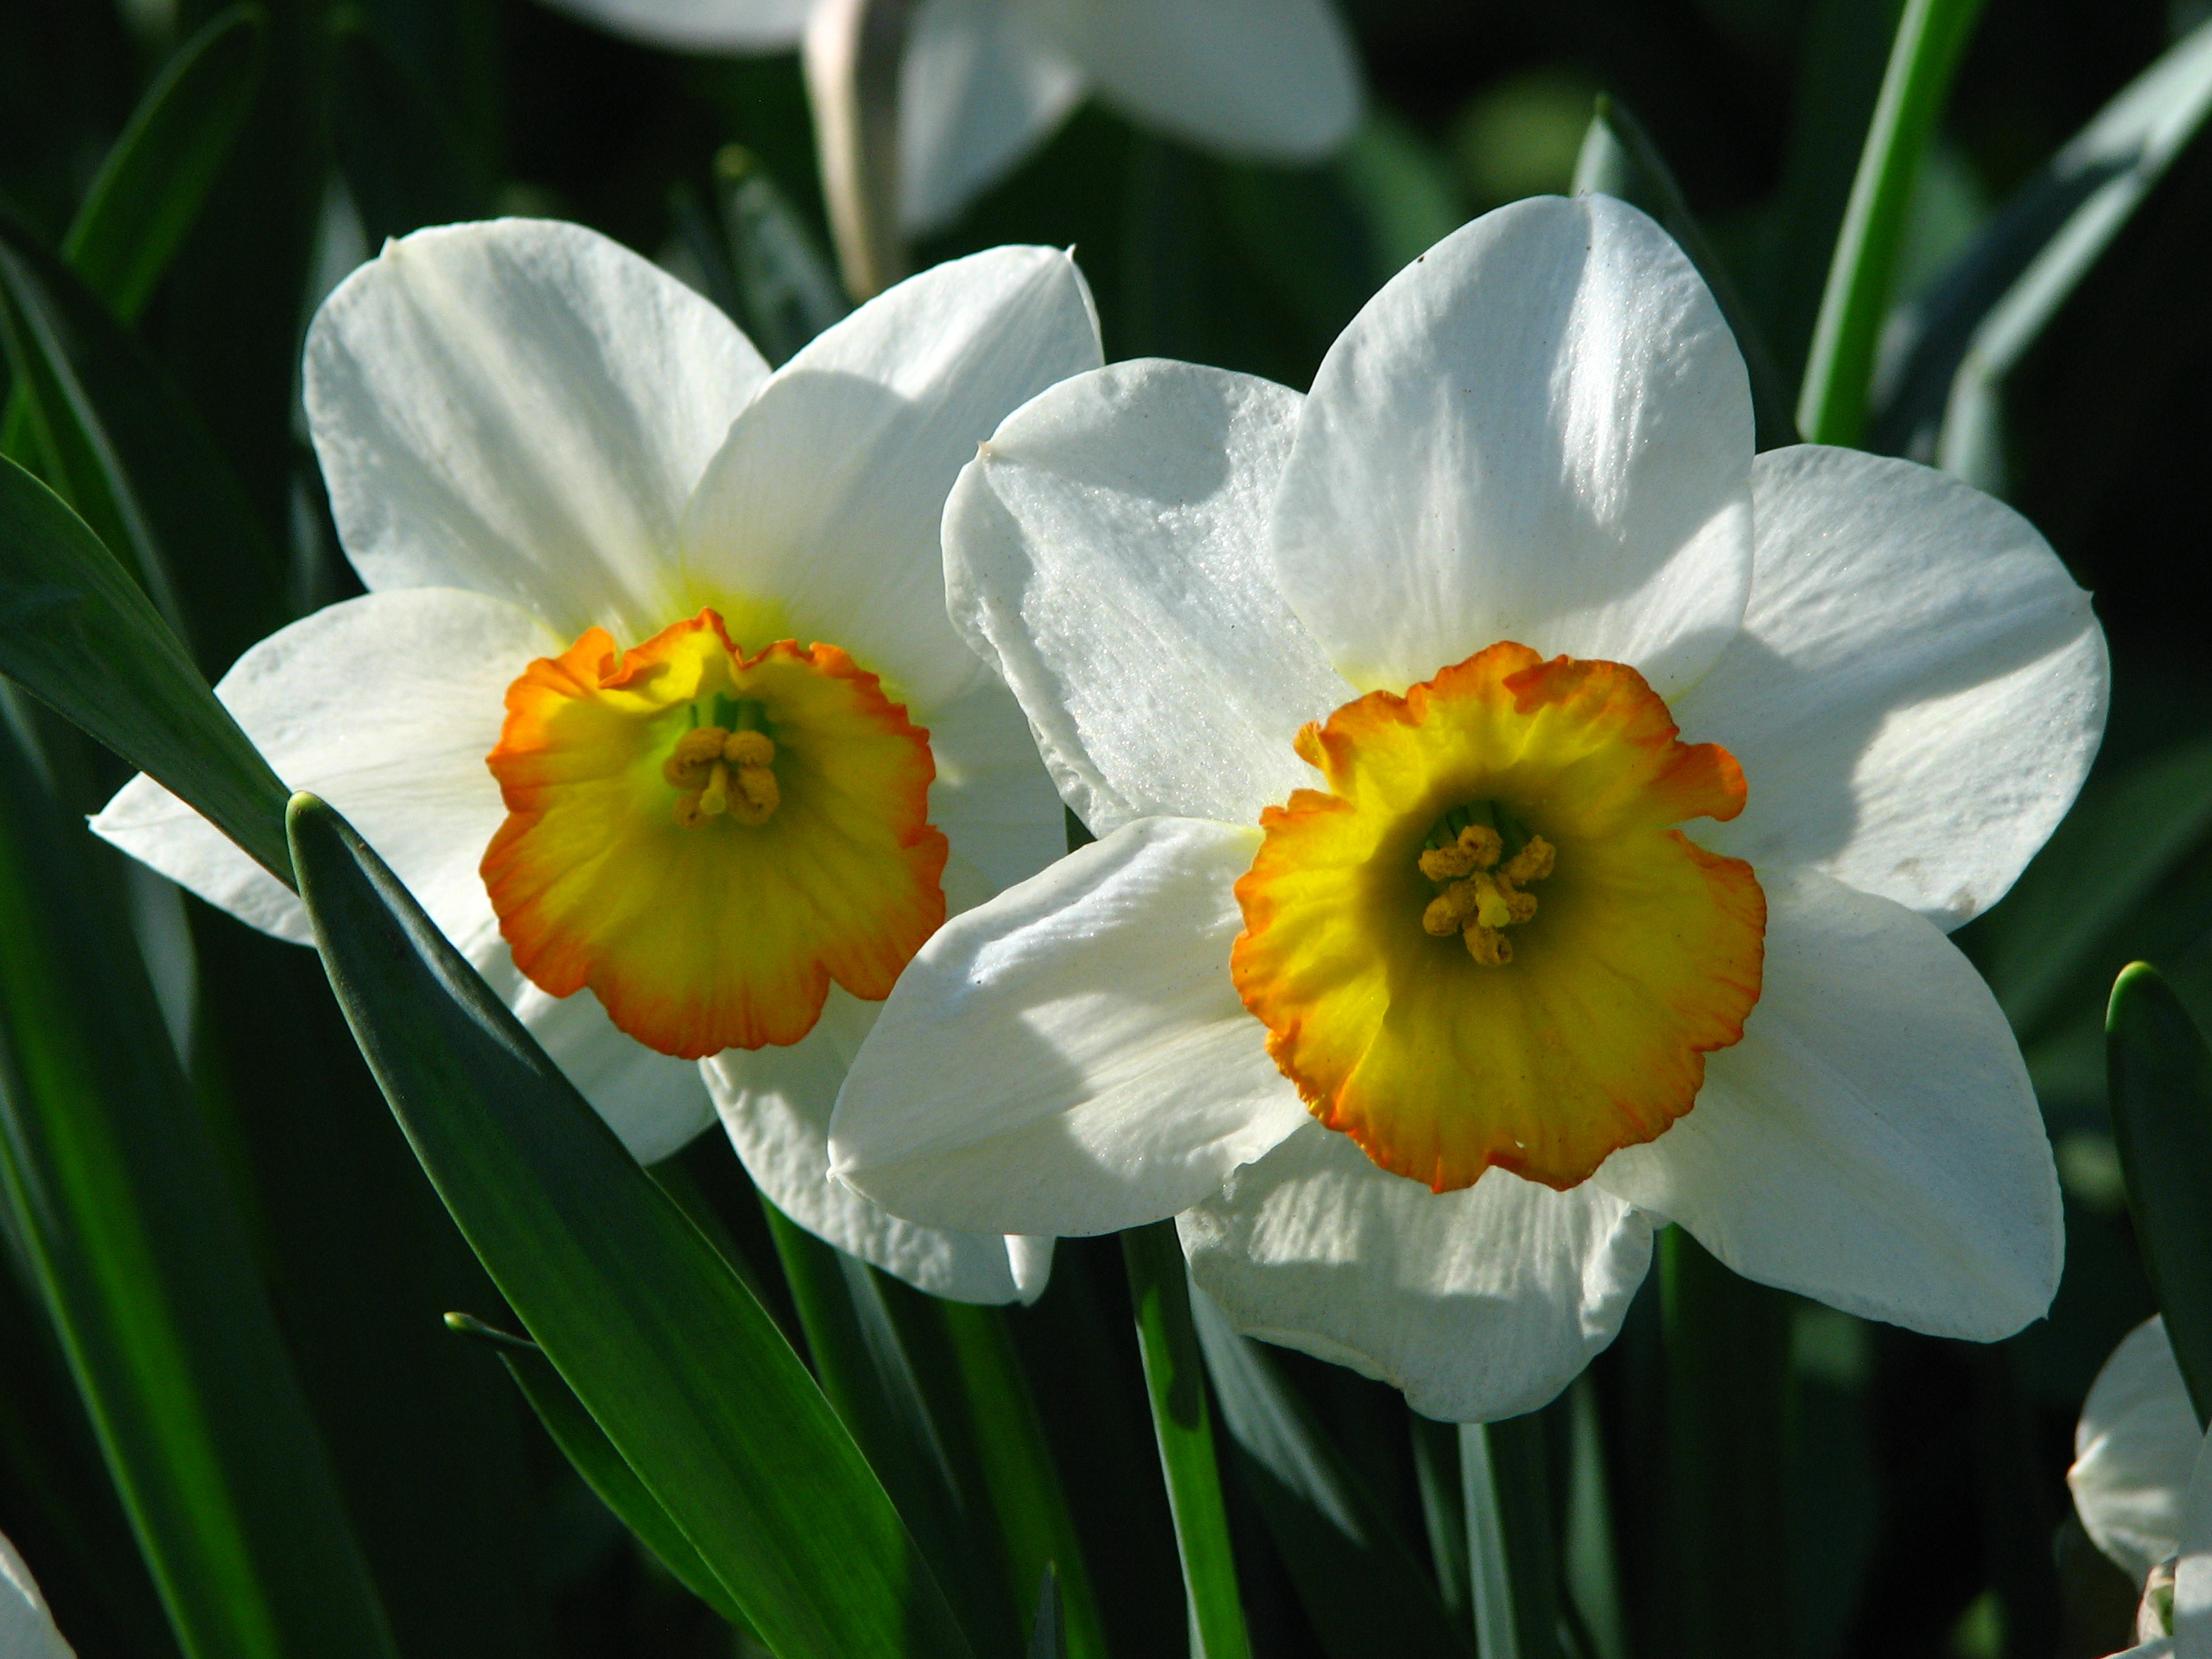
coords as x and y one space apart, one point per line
1420 968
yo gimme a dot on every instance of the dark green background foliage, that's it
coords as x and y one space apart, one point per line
1921 1480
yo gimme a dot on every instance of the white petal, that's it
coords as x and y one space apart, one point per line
2192 1572
2133 1451
1106 550
1538 431
733 26
656 1102
776 1104
1873 1141
27 1629
822 508
1072 1057
981 86
993 797
1479 1303
522 408
1269 80
1919 689
384 706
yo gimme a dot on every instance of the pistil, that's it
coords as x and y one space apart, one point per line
1481 894
720 772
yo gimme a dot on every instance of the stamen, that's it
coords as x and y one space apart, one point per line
721 773
1481 896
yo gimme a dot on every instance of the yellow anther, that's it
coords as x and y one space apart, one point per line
757 795
1488 946
1477 848
749 748
687 810
715 798
1522 906
1450 910
1532 862
687 764
1308 743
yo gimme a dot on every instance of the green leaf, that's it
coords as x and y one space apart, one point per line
684 1372
1174 1379
1977 322
150 189
2161 1096
1931 38
121 1208
762 263
127 454
80 634
1355 1571
1619 159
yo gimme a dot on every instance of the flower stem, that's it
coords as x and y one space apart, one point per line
1728 1418
853 52
1931 37
1175 1377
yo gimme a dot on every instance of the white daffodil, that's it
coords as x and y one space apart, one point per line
1415 933
983 82
652 701
2142 1481
27 1629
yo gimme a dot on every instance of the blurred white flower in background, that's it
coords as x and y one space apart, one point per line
27 1629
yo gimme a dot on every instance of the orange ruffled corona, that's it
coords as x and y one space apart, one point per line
1375 946
708 899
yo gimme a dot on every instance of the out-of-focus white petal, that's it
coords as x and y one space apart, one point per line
819 516
982 85
1270 80
732 25
992 796
522 408
1479 1303
1106 550
2192 1571
1917 690
1539 431
1072 1057
27 1629
656 1102
384 706
2134 1448
776 1104
1873 1141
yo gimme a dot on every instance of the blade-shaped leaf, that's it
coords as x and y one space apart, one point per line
678 1363
150 189
120 1203
2161 1094
1361 1586
79 634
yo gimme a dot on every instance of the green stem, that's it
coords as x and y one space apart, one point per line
1175 1378
1931 37
1727 1421
1512 1548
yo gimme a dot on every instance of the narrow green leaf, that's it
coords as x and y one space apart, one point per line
130 456
1443 1513
80 634
150 189
2161 1096
787 291
1488 1550
1355 1571
1175 1378
1619 159
1931 37
120 1203
684 1372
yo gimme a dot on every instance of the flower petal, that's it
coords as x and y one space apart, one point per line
1070 1057
992 796
1539 431
386 706
1479 1303
775 1103
822 510
1873 1141
1106 550
2134 1448
732 25
1919 689
2192 1571
1271 80
982 85
27 1629
656 1103
521 408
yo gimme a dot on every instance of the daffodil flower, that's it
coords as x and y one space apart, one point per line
984 82
27 1628
2142 1481
1524 819
652 701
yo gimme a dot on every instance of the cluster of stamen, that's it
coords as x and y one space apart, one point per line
1482 895
722 773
